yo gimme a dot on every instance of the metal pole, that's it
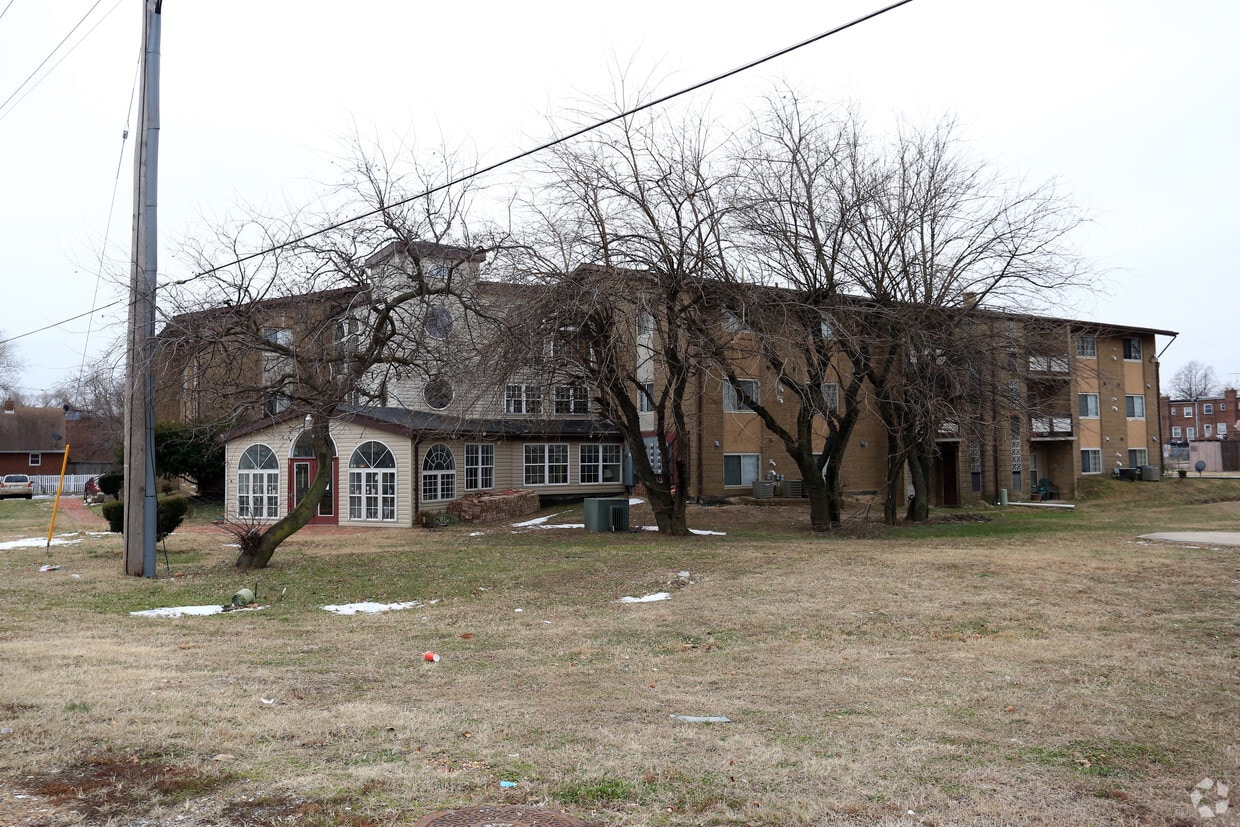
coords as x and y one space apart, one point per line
140 522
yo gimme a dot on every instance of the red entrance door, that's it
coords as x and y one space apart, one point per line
301 473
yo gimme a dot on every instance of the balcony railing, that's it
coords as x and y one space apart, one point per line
1048 364
1050 426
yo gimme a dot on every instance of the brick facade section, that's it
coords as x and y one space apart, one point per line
494 507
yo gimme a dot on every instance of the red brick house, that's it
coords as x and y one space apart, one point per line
32 440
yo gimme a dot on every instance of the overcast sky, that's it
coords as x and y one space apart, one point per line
1133 105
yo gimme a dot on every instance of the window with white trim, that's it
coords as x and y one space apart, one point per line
600 463
1222 430
732 400
1138 457
372 483
572 399
438 474
546 464
741 469
1190 433
258 483
1086 346
1087 405
645 398
1207 430
1207 408
479 467
1177 432
1134 406
1173 410
1188 412
523 399
1091 460
34 459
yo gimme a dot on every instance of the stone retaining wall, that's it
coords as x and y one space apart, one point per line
494 506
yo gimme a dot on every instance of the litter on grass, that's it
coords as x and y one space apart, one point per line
369 607
703 719
185 611
650 598
49 567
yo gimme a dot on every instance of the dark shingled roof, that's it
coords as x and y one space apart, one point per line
32 429
426 423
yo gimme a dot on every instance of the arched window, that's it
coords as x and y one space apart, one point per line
302 448
438 474
372 483
258 483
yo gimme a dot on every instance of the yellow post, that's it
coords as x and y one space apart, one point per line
59 487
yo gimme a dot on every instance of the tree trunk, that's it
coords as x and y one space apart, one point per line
300 515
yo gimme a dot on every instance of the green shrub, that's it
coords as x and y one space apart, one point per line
171 511
114 513
111 484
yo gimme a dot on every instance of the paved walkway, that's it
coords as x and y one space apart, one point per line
1205 538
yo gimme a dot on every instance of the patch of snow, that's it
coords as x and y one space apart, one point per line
369 607
183 611
476 533
35 542
650 598
636 501
536 520
563 525
706 531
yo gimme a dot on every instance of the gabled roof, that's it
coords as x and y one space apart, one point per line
425 249
32 430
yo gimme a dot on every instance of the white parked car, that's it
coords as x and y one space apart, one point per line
16 485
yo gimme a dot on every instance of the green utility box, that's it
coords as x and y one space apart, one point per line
607 514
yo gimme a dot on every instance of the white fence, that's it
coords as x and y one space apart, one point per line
74 483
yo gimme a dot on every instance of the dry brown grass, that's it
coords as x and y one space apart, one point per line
1035 668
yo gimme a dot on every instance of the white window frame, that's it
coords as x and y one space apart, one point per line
1086 346
258 483
571 400
754 463
1091 407
522 399
1134 406
1207 430
1207 409
1138 457
545 463
600 463
372 488
479 466
35 459
438 474
1222 430
1177 433
1188 412
1190 433
645 398
1091 461
731 399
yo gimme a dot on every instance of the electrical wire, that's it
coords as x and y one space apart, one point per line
49 57
6 9
497 165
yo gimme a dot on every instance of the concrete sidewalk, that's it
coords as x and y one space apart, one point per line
1207 538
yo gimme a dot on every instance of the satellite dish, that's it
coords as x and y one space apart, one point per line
1199 466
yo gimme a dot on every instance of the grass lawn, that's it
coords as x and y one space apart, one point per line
999 666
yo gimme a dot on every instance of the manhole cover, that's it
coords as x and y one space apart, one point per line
498 816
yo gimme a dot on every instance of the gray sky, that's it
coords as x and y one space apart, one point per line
1133 105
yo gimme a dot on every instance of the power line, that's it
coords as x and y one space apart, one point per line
497 165
48 72
6 9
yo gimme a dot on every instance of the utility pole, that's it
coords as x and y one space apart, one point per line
140 494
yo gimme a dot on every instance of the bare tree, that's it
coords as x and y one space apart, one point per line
323 320
1194 381
624 236
10 368
939 233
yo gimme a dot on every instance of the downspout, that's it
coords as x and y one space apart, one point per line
698 459
417 479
